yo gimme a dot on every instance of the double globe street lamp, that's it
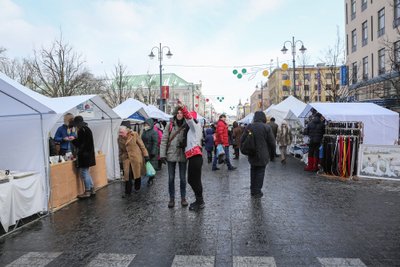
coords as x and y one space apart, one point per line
160 50
302 50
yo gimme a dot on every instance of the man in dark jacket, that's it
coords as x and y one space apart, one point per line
274 128
315 130
85 155
265 142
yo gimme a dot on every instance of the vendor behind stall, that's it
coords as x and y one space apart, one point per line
65 134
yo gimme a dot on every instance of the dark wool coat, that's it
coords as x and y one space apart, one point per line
150 140
209 140
265 140
237 135
315 130
85 147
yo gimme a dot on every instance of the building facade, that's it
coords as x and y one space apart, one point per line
318 83
146 88
373 49
259 100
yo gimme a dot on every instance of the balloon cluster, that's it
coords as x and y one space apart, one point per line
239 75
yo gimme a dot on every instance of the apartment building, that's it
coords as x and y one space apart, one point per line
259 100
373 49
318 83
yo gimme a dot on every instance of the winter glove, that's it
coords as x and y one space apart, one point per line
163 160
146 159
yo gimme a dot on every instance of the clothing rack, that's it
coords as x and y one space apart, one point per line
340 146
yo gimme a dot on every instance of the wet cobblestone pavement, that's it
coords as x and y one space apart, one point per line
302 220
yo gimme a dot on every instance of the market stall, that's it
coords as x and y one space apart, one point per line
247 119
25 124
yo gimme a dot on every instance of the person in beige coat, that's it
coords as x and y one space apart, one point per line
132 155
283 139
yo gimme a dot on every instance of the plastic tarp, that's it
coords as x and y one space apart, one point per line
132 109
289 109
247 119
25 124
381 125
101 119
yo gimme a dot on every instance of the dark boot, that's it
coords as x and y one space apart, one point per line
138 183
171 203
86 194
92 192
128 188
209 160
315 165
197 205
310 164
150 181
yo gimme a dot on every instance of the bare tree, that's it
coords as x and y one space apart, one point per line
2 54
151 96
118 87
334 57
59 71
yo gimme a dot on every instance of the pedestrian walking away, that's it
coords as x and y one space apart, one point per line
150 140
132 154
194 155
209 143
265 142
222 138
172 151
237 134
85 155
284 139
274 128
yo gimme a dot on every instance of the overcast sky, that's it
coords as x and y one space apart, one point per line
208 38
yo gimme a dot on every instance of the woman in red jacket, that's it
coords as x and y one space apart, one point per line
222 138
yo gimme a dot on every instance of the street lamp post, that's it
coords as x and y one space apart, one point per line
262 95
302 50
160 58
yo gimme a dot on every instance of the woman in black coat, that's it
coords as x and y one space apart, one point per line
315 130
85 155
265 142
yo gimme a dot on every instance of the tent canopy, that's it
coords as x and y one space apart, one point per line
102 120
289 109
132 109
156 113
248 119
25 124
381 125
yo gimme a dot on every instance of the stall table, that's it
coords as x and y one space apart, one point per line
66 184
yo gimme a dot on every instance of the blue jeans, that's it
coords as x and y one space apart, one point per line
171 178
87 179
256 178
227 159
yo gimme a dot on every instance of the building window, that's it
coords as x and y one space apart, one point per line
307 76
316 98
381 61
285 77
396 8
328 98
365 68
347 15
365 33
306 98
396 46
328 76
337 77
364 4
353 41
306 87
285 88
353 9
354 70
381 22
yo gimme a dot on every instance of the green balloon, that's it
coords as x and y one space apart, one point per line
235 72
239 76
244 71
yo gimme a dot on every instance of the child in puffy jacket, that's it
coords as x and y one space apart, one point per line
209 143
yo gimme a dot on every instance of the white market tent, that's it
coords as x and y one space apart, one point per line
381 125
132 109
101 119
247 119
289 109
25 124
156 113
129 107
